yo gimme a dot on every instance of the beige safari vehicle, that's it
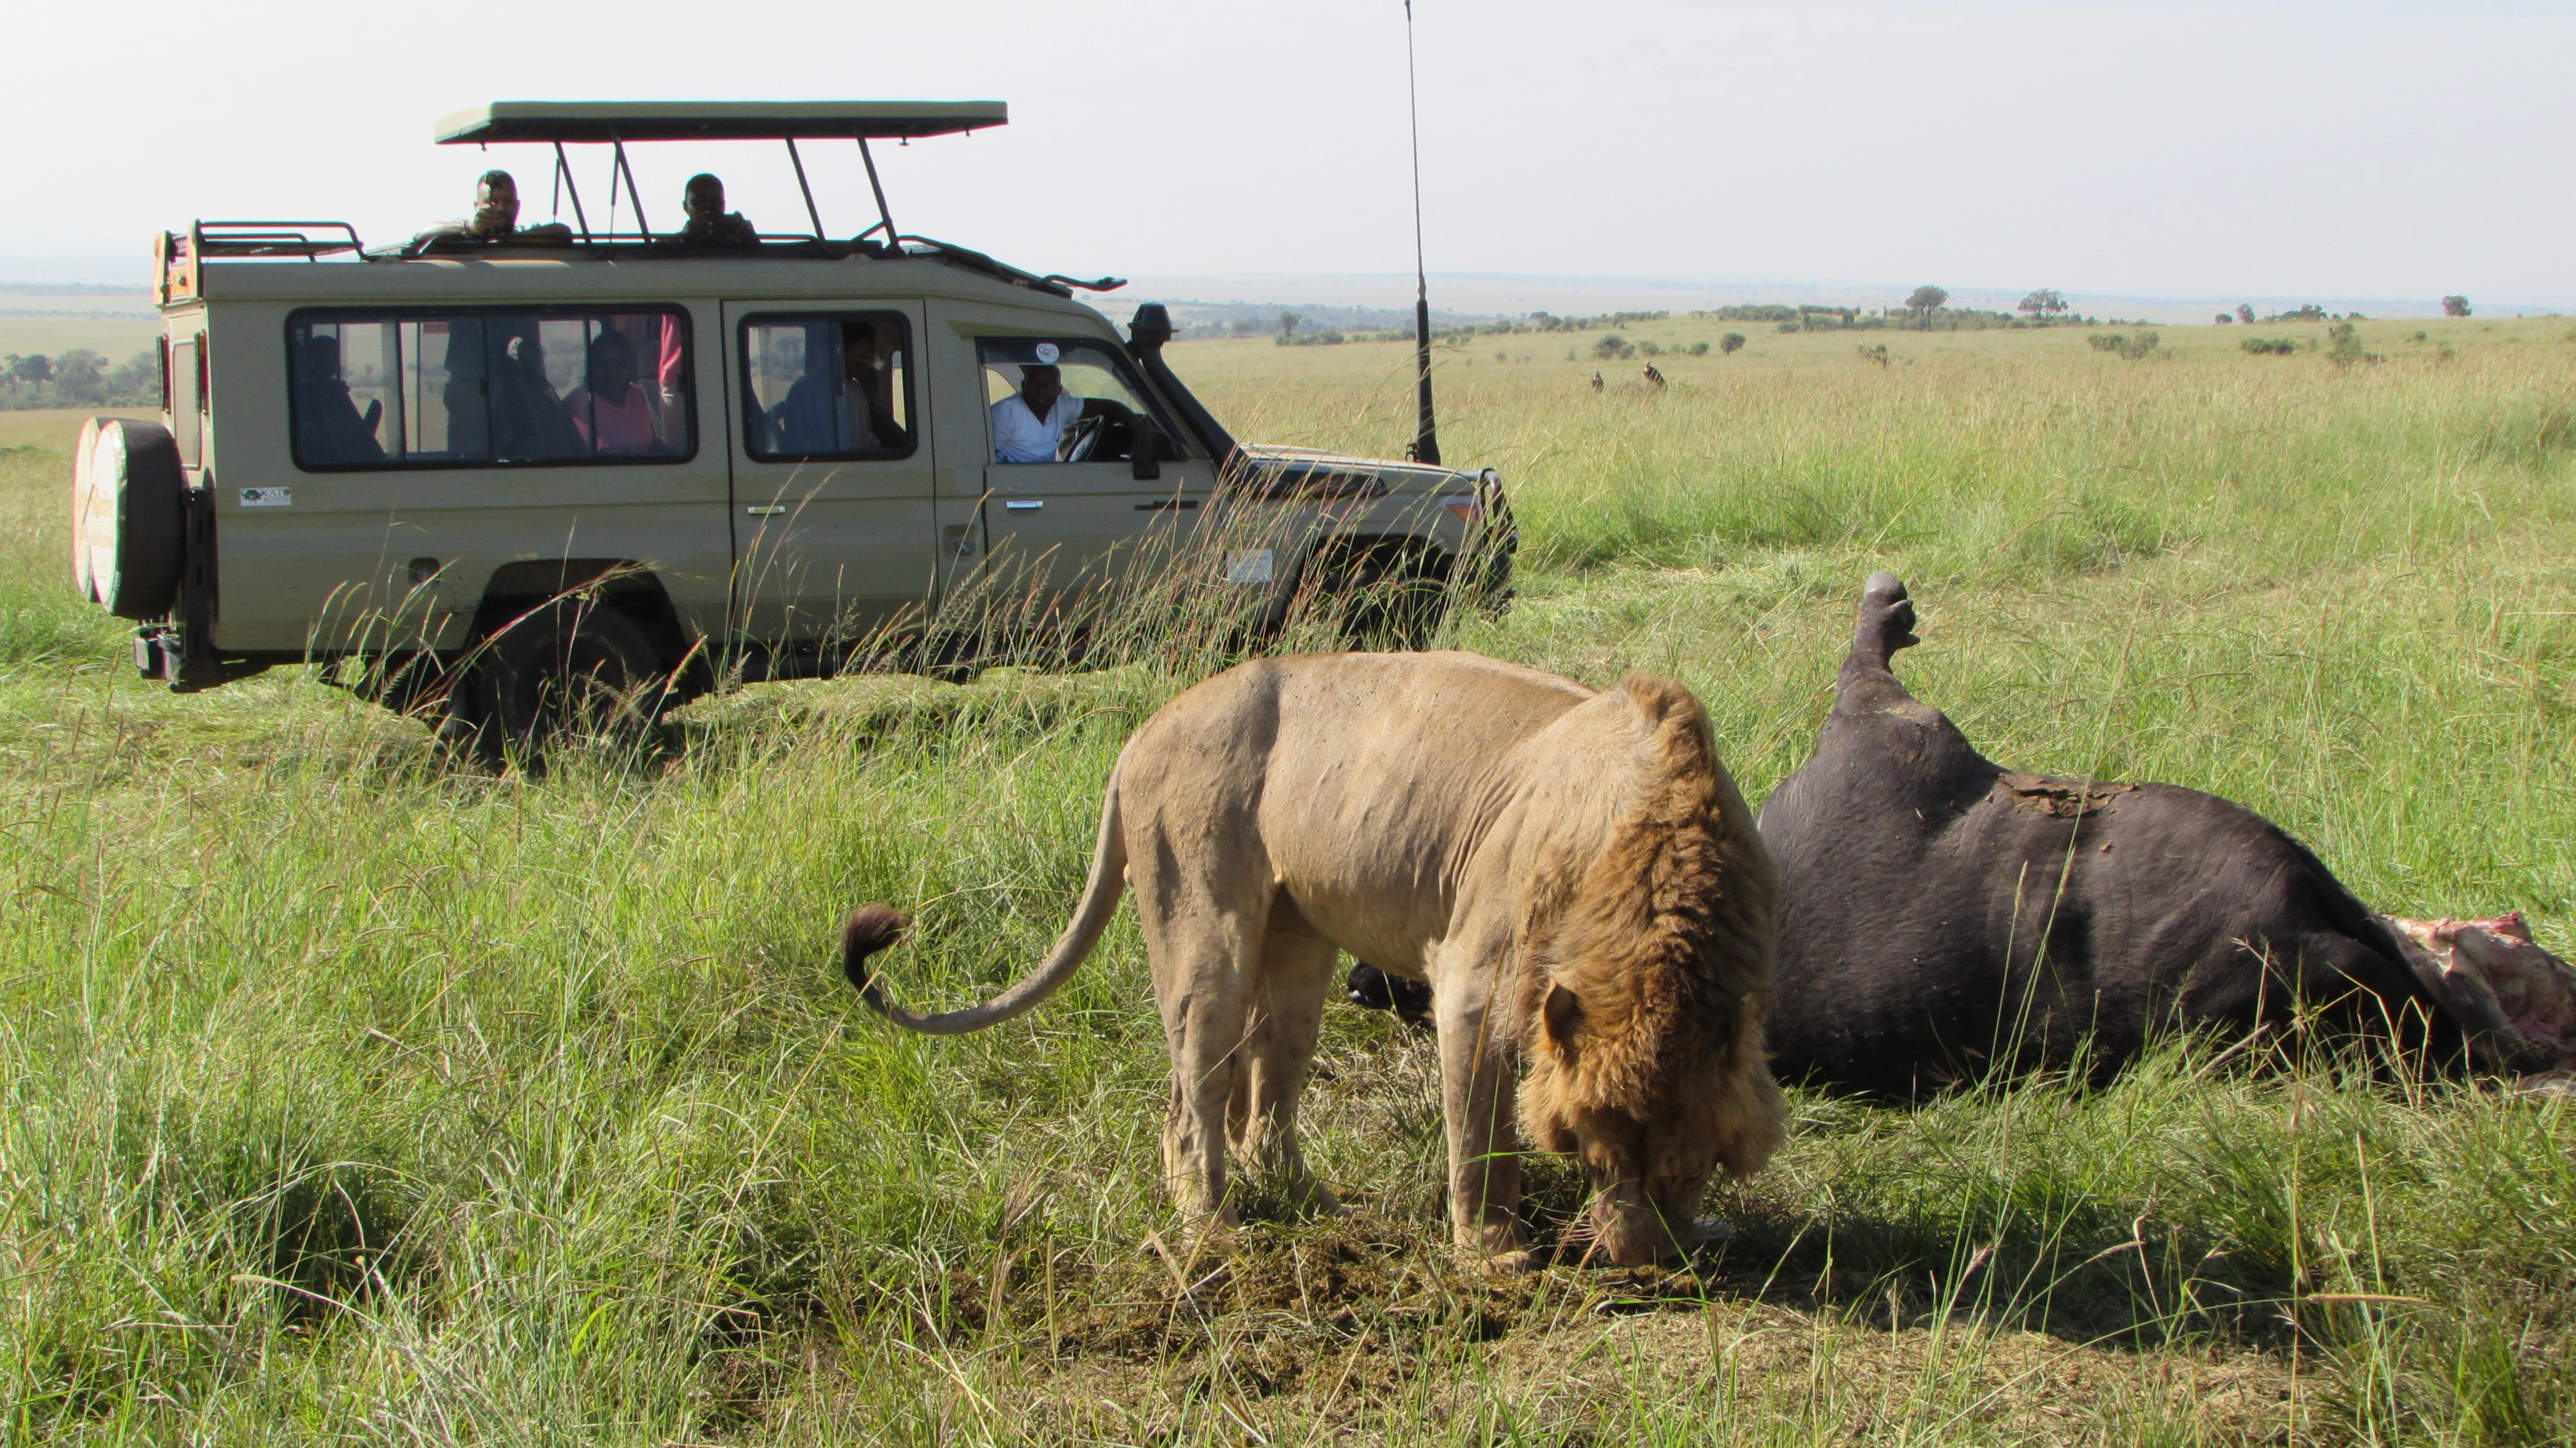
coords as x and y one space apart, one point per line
515 482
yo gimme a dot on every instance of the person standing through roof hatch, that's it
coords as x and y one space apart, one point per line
495 218
1029 425
704 200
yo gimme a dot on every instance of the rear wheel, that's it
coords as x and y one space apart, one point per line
572 670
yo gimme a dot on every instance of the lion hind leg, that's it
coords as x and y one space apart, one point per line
1200 949
1278 1053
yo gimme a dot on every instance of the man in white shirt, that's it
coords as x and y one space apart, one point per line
1029 424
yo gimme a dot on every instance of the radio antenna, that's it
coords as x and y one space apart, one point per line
1426 432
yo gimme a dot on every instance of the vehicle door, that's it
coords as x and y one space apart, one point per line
834 538
442 454
1065 517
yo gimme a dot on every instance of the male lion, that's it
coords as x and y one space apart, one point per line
1573 872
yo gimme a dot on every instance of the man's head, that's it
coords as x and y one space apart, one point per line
703 198
496 205
858 352
1040 386
612 364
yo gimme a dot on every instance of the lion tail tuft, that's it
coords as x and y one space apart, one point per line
872 928
869 929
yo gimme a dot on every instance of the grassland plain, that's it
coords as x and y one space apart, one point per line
349 1096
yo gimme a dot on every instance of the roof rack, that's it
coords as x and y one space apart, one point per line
273 238
561 121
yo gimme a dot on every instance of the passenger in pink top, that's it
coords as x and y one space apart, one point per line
613 415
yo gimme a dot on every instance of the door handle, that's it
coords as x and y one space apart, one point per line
766 510
1023 505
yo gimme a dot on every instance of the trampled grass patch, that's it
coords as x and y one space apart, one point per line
348 1093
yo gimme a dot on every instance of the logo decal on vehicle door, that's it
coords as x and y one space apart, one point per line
268 497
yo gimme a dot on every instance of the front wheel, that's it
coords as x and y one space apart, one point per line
1386 597
573 669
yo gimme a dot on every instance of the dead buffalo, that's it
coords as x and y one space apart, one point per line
1943 916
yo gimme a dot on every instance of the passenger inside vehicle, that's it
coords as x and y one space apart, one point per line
328 426
469 420
528 420
837 409
709 223
614 417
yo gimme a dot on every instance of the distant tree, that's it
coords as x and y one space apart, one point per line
2455 306
1925 301
1288 322
1650 348
2046 302
1732 342
33 371
1242 327
1612 346
136 380
1700 349
2226 319
2245 313
2347 348
80 378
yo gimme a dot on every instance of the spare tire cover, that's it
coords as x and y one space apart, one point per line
81 573
132 518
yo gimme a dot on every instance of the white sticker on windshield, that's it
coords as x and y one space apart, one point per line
1248 565
1047 353
268 497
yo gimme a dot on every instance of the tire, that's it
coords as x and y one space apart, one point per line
129 509
82 574
1389 598
574 669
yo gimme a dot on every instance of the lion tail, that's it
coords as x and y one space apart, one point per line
872 928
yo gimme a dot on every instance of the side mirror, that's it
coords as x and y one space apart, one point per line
1146 447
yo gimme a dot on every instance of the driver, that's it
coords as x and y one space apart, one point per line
1030 424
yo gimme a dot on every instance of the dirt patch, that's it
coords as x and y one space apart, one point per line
1362 1330
2065 798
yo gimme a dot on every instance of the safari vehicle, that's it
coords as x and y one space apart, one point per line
512 480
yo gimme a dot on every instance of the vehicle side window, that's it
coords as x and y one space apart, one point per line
479 389
817 387
1070 399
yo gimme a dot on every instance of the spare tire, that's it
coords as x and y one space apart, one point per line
81 574
131 516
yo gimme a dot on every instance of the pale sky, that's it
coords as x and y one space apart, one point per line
2397 150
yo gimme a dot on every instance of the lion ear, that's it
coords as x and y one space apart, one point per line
1563 1011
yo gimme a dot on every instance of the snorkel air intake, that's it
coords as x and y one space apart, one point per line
1146 334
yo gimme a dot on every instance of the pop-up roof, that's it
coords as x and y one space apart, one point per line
715 120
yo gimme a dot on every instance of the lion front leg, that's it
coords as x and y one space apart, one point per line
1479 1098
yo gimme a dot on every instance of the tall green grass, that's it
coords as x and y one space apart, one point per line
349 1094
